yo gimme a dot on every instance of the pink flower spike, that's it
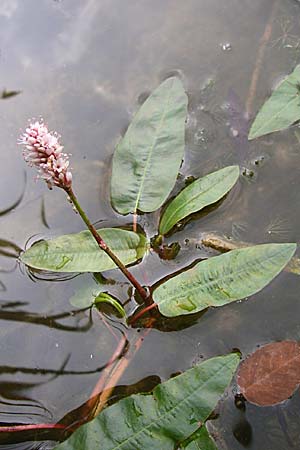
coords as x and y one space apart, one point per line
43 150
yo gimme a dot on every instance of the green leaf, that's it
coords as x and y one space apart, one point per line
222 279
147 160
281 110
200 440
162 419
85 290
108 299
197 195
80 252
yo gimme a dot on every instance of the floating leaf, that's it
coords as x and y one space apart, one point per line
281 110
162 419
222 279
197 195
108 299
200 440
223 244
147 160
271 374
80 252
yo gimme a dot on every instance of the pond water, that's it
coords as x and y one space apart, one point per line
85 66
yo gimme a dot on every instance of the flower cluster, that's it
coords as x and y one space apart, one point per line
43 150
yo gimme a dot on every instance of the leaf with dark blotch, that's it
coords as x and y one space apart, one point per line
161 420
222 279
80 252
147 159
198 195
271 374
200 440
281 110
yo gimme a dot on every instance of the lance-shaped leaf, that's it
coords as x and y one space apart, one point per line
197 195
222 279
80 252
281 110
147 160
163 419
200 440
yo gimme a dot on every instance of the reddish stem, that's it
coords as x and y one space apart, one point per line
103 246
38 426
142 312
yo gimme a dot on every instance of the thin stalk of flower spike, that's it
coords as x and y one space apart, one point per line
42 149
103 246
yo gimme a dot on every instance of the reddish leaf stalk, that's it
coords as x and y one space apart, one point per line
103 246
38 426
142 312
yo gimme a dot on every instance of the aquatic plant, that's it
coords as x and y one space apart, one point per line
145 168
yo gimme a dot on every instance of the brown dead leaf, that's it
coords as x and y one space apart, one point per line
271 374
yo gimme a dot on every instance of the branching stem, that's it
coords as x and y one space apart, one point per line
103 246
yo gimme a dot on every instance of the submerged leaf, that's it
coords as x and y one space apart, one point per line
85 293
162 419
281 110
197 195
271 374
200 440
222 279
80 252
147 160
105 298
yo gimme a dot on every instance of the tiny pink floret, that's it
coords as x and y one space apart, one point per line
43 150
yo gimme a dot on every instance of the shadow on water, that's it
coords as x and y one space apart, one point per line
10 208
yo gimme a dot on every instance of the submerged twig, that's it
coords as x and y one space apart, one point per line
117 372
259 60
223 245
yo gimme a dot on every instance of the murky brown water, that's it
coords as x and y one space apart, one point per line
85 66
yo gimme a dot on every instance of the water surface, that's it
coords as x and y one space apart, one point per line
86 66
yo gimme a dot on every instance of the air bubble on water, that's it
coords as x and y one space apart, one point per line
226 46
234 132
200 136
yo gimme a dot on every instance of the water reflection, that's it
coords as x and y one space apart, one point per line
49 321
17 202
8 8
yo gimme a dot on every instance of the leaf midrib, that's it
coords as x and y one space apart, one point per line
211 283
274 371
168 412
151 150
190 200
